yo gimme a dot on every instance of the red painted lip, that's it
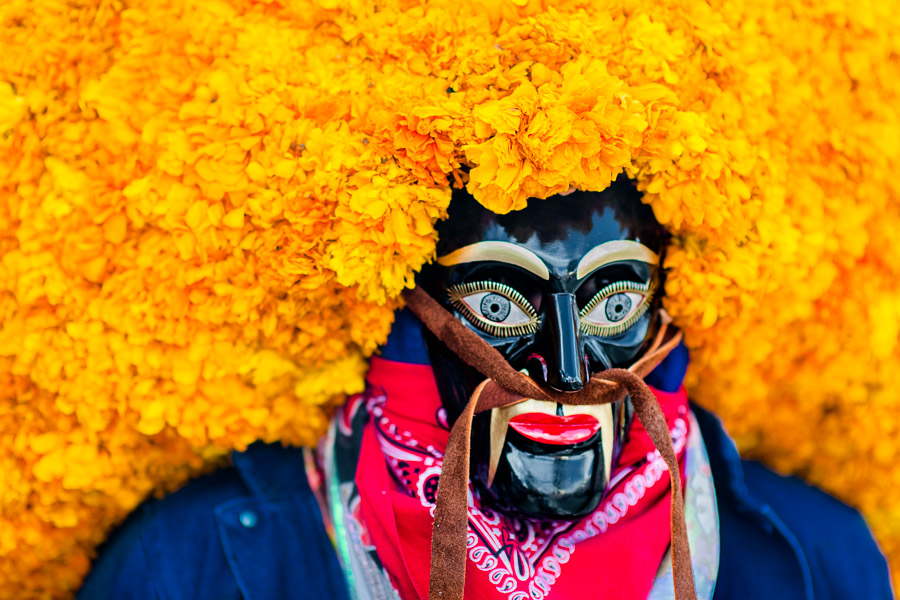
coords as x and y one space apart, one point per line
552 429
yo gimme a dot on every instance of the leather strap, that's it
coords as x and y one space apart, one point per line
504 386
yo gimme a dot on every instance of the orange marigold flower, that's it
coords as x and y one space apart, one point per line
208 211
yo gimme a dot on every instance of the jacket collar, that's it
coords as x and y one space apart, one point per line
723 457
271 470
728 476
275 540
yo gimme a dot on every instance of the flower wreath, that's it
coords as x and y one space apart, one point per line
208 211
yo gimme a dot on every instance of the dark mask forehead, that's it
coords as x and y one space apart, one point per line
560 230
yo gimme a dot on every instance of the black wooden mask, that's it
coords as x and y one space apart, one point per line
564 288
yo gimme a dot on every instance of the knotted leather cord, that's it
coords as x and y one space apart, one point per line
505 386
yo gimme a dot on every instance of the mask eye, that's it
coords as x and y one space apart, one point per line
615 308
494 308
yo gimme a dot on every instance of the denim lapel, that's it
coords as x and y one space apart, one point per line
735 498
275 541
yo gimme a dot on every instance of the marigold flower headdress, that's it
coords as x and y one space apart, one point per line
208 212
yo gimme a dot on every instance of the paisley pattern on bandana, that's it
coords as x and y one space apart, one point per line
521 559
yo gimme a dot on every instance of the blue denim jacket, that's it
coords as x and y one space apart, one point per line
254 530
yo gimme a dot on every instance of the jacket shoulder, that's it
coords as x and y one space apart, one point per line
161 550
844 560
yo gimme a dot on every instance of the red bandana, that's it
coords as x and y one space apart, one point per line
613 553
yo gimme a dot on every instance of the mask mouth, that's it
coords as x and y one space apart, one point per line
555 429
540 421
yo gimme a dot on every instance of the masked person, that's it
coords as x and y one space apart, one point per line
562 501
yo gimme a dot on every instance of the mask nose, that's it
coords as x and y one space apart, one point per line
558 357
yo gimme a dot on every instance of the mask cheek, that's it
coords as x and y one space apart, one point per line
617 351
596 356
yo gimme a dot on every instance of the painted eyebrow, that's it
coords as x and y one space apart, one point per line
500 252
615 251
